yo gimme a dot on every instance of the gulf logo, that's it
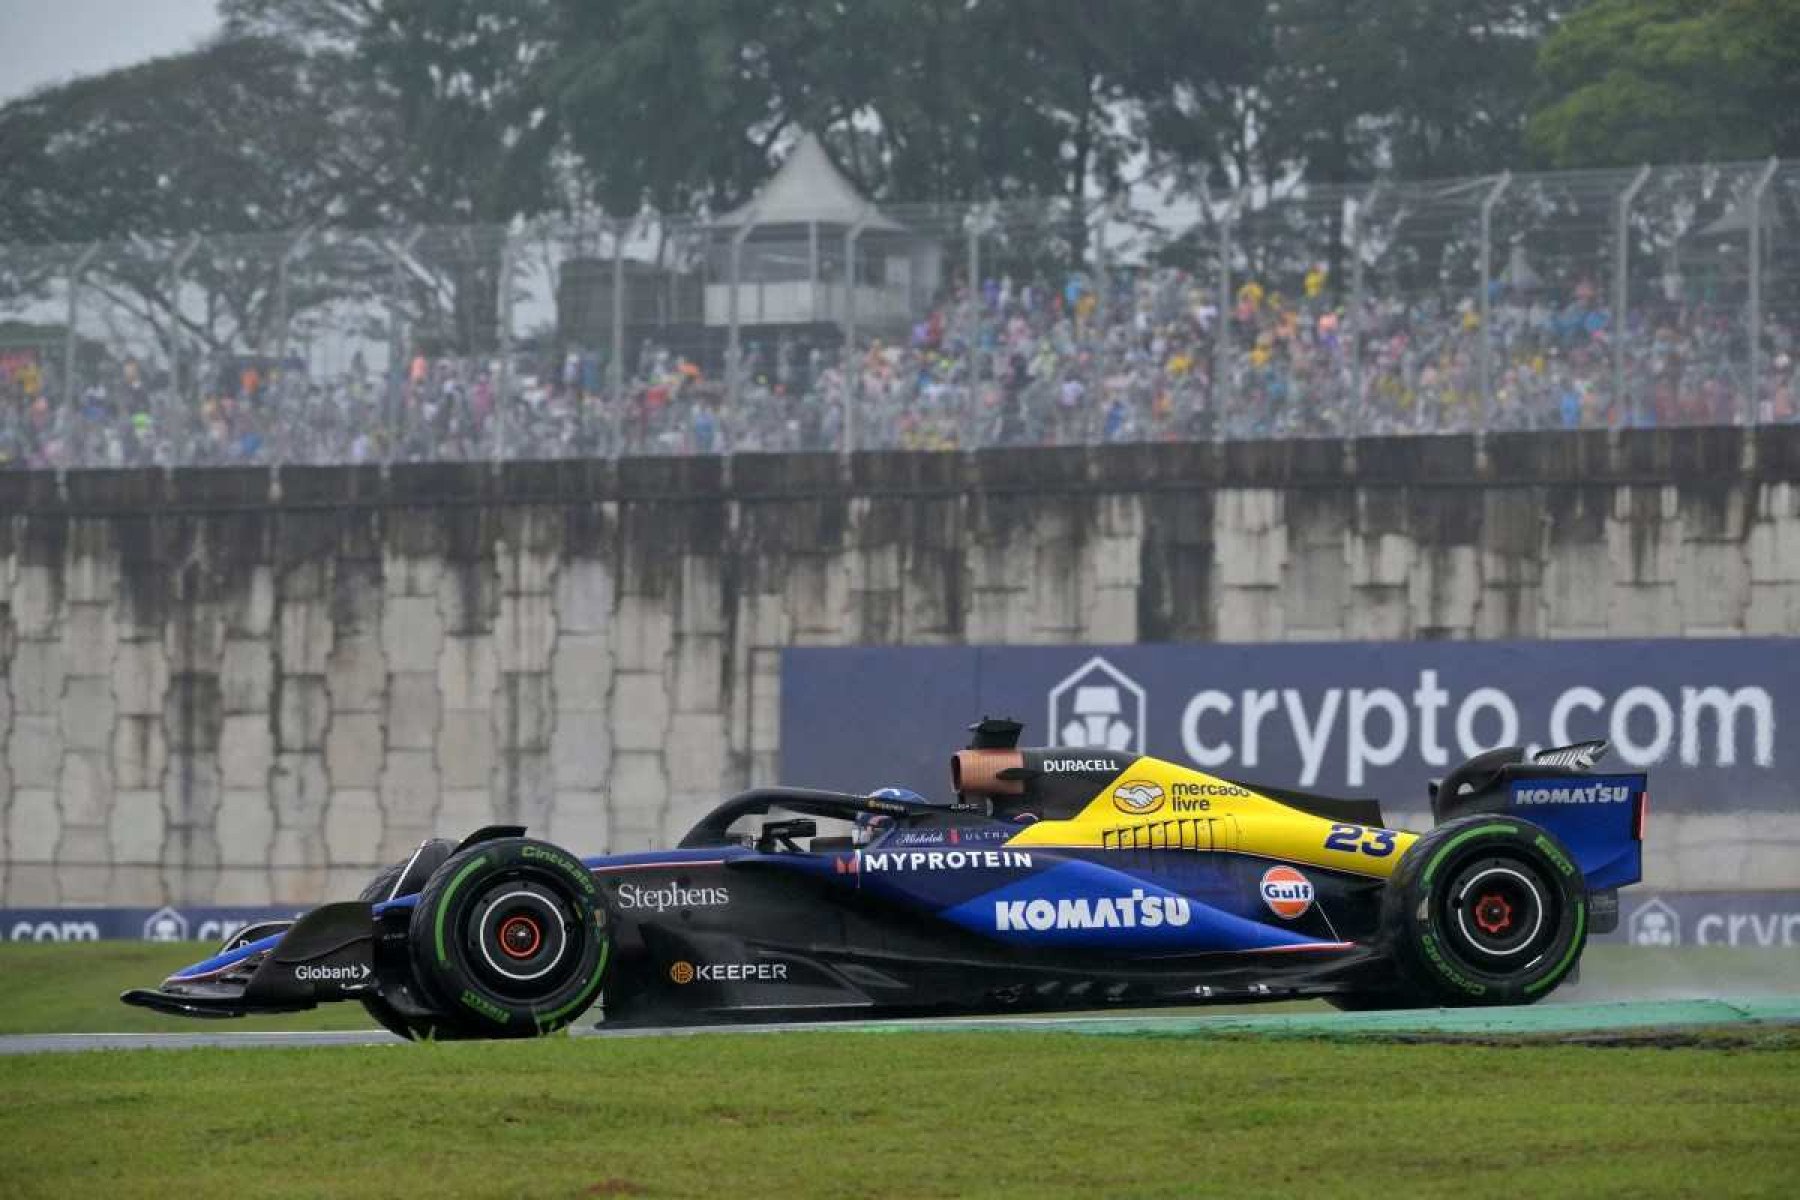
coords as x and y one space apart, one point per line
1137 797
1287 892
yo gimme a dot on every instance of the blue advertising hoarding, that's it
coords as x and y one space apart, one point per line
1705 717
1747 920
166 924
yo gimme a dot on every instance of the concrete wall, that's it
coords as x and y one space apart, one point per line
243 686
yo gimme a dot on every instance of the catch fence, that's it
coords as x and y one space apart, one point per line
1519 301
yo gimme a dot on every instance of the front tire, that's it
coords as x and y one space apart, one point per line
509 937
430 855
1485 910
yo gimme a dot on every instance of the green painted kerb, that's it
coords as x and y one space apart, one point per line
1552 1019
444 904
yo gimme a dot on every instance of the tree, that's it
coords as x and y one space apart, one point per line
679 103
995 100
1628 81
1415 88
669 103
1296 101
1204 109
458 80
245 140
460 83
239 136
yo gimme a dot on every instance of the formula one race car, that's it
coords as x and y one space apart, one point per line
1056 879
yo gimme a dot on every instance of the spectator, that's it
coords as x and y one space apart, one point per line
1043 362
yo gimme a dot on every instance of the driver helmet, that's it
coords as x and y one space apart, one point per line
870 826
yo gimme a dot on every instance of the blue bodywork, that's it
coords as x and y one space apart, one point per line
1598 817
231 958
1167 902
1149 903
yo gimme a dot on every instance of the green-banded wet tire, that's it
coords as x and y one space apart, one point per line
1485 910
429 856
510 938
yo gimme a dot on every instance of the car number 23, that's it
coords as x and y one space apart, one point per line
1357 839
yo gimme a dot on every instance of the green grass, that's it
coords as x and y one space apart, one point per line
851 1114
844 1115
74 988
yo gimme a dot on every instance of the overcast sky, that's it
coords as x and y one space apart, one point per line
51 41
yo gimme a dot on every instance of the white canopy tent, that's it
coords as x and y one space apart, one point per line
788 255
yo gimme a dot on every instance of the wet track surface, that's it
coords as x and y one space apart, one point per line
42 1043
1575 1021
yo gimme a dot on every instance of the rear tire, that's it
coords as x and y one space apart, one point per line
510 939
1485 910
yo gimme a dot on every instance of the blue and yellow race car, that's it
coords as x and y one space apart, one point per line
1053 879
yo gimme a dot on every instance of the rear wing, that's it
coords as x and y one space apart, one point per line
1600 817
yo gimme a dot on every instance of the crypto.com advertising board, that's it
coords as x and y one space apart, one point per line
1377 719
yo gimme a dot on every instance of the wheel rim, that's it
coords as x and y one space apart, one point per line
1500 914
518 931
520 937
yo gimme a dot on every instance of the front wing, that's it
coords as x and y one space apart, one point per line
326 955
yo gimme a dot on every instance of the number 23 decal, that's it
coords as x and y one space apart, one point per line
1354 839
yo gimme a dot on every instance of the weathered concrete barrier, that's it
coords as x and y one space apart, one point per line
238 686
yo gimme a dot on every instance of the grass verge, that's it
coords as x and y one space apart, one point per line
841 1114
74 988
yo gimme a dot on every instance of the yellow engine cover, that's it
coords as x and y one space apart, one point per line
1156 805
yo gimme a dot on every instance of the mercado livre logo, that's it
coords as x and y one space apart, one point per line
1138 797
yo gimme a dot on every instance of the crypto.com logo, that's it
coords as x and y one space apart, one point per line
165 925
1098 707
1654 924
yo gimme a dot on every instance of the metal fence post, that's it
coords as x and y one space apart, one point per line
976 223
281 296
177 340
504 311
400 253
1621 283
1097 334
616 364
852 376
733 365
69 336
1102 265
396 374
1487 281
616 369
1222 387
1354 330
1754 209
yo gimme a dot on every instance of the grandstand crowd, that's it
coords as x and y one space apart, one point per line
1023 364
